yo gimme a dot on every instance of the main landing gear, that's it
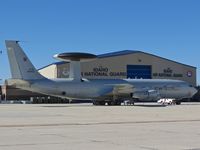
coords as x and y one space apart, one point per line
109 103
116 102
178 102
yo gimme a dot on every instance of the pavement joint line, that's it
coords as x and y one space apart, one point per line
97 123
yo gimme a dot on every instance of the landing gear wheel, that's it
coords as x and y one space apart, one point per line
95 103
178 103
115 103
102 103
112 103
118 103
109 103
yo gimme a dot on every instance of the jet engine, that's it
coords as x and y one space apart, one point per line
148 95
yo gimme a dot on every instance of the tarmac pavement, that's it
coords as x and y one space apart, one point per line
85 127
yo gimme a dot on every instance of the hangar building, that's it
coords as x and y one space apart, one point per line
126 64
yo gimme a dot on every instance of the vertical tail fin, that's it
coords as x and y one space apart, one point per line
20 65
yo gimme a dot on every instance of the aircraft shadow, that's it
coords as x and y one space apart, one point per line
90 105
150 105
57 106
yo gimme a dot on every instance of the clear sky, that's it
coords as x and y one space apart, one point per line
167 28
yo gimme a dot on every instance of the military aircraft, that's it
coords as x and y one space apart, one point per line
100 91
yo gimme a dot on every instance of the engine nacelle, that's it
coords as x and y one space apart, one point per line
149 95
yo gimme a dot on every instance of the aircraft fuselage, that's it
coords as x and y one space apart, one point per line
96 89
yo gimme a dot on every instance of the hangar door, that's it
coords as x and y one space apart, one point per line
139 71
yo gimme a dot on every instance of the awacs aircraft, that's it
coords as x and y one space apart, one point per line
101 91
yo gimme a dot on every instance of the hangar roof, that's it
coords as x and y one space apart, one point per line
126 52
120 53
